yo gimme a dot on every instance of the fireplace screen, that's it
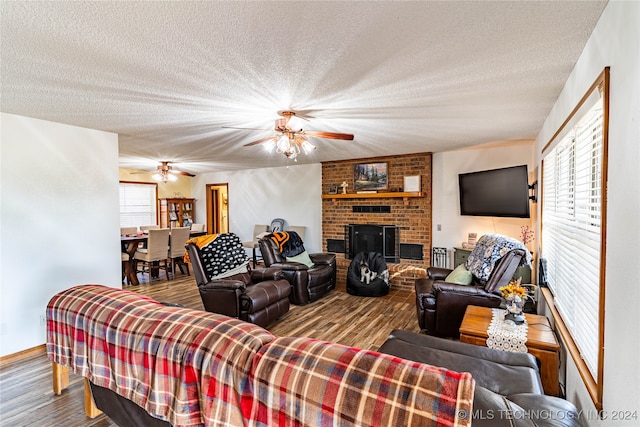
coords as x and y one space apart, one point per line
383 239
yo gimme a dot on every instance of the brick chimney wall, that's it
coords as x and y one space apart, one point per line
413 216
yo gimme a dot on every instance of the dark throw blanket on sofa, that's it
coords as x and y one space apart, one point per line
289 243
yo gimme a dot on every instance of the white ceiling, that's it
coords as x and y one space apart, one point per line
404 77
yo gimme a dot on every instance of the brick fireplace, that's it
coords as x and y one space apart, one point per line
410 213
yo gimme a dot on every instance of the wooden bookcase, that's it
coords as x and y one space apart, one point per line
177 212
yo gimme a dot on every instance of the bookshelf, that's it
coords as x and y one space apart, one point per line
177 212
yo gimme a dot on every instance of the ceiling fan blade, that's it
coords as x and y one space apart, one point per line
175 172
328 135
233 127
259 141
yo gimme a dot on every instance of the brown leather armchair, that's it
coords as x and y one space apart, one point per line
260 296
441 305
308 284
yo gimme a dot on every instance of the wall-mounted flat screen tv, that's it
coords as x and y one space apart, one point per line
497 192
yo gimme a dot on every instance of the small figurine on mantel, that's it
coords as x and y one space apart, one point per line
344 186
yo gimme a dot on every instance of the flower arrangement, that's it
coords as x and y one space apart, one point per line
513 290
515 296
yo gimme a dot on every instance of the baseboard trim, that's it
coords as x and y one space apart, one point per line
14 357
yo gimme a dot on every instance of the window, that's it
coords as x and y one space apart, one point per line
573 211
138 203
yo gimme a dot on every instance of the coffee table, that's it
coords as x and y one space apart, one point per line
541 342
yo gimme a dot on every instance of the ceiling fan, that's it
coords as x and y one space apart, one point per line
290 141
166 172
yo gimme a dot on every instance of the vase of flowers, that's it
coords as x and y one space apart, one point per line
514 296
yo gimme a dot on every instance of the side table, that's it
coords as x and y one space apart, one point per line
541 342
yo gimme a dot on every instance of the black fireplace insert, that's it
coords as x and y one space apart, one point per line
383 239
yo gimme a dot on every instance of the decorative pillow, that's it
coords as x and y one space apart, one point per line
302 258
460 276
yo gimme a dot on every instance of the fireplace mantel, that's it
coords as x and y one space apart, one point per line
387 195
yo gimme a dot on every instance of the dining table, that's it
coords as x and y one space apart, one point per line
129 244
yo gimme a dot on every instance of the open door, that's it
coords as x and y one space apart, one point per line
217 208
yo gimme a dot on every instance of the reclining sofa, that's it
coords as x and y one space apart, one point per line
154 363
149 364
508 389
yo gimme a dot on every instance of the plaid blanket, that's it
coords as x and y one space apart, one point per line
306 382
190 368
184 366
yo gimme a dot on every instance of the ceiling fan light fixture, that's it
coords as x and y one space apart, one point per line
290 138
283 143
307 147
270 145
164 176
287 145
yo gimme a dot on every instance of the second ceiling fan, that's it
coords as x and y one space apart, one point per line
290 141
166 173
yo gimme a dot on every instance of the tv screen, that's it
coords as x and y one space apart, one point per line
497 192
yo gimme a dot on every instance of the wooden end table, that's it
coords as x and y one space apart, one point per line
541 342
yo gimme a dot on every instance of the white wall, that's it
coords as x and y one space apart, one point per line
615 42
446 196
59 219
257 196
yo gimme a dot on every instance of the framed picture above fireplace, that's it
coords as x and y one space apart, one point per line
370 176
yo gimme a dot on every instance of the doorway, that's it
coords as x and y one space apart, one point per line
217 208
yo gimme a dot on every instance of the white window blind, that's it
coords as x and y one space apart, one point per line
571 230
137 204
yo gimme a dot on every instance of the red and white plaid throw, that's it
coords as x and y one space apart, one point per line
191 367
184 366
306 382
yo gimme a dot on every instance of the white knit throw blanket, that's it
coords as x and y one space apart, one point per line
506 335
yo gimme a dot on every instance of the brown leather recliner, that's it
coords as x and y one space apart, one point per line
441 305
308 284
260 296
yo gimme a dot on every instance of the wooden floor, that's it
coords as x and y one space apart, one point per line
27 399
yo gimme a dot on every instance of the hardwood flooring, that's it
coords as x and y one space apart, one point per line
26 395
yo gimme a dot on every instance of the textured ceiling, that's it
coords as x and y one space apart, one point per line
404 77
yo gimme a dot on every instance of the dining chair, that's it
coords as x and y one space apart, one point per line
258 230
125 231
197 227
154 256
300 229
177 247
146 228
